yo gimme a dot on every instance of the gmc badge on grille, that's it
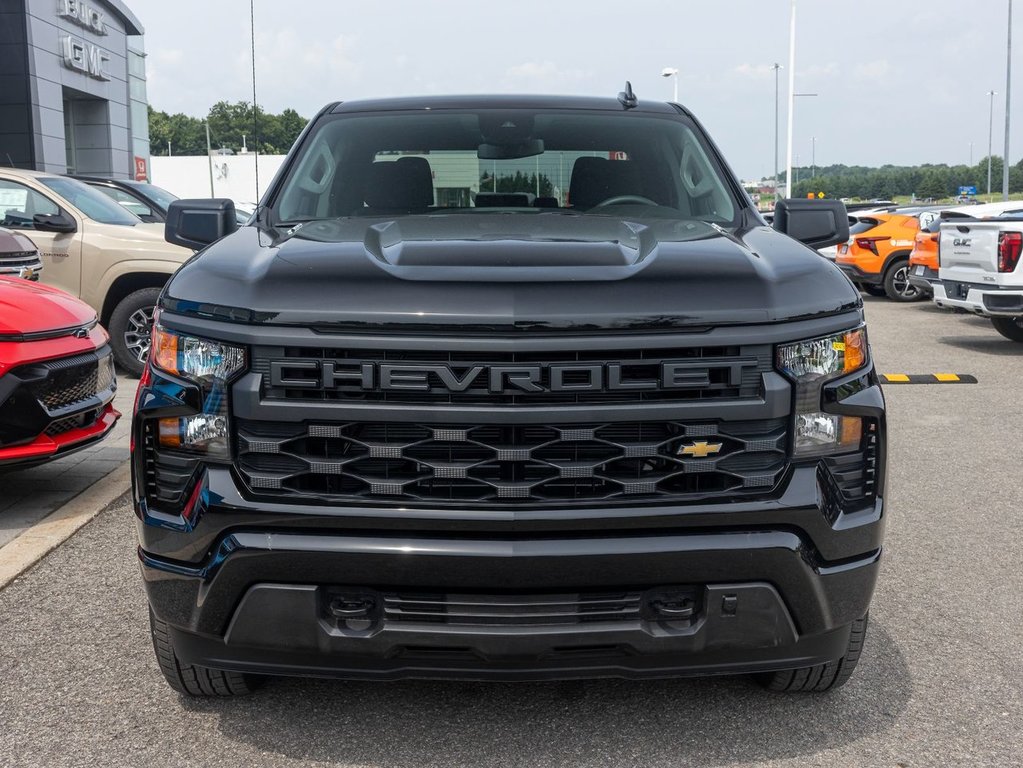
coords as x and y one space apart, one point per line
503 379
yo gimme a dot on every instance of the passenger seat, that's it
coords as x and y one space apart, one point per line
399 186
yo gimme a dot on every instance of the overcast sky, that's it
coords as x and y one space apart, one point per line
899 81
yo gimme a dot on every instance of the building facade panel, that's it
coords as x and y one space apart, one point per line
72 87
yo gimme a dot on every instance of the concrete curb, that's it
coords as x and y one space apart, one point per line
33 544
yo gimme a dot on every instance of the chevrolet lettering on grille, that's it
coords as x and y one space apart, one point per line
502 379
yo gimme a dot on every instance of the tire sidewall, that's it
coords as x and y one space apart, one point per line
1009 328
146 297
900 262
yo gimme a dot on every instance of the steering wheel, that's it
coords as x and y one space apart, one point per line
625 199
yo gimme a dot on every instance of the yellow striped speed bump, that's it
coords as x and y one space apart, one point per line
928 378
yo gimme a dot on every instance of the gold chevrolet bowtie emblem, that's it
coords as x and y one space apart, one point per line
701 449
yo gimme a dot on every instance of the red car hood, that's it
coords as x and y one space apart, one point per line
33 308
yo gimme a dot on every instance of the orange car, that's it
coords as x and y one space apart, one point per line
876 258
923 261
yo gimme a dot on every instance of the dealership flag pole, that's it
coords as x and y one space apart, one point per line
255 114
1008 106
792 98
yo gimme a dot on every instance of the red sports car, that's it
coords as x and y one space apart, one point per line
57 379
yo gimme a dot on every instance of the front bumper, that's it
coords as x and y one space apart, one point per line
56 399
247 585
45 448
984 300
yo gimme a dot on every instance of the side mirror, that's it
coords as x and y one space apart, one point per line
197 223
816 223
54 222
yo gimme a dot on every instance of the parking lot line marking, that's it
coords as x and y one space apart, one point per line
928 378
33 544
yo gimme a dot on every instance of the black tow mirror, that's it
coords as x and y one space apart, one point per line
54 222
816 223
197 223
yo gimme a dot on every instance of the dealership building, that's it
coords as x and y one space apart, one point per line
73 88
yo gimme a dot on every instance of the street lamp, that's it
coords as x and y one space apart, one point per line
990 131
672 72
813 157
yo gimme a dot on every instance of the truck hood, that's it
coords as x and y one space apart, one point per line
481 273
27 308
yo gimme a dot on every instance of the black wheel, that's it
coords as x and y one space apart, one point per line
872 290
820 677
131 325
896 283
1010 327
190 680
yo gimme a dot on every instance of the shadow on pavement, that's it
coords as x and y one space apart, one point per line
996 345
701 722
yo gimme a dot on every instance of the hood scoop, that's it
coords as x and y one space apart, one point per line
585 250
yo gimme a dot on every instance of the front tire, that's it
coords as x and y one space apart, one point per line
131 325
1010 327
192 680
896 283
820 677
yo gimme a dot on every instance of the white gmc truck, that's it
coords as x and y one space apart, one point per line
979 268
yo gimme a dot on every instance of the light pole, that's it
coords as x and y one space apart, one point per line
672 72
990 133
1008 104
792 98
777 195
813 157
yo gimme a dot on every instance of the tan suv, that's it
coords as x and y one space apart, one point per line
94 249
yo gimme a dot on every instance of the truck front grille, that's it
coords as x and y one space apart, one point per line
73 380
512 610
408 463
586 377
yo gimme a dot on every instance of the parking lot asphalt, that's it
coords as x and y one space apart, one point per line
28 495
940 682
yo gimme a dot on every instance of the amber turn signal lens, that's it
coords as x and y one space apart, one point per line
851 432
170 432
855 350
164 350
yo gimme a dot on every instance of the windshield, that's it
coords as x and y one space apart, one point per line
508 161
91 202
158 195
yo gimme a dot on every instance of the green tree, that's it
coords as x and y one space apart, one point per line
931 185
229 123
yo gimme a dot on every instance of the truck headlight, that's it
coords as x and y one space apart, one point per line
211 365
809 364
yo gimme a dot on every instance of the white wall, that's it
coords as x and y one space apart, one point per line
234 176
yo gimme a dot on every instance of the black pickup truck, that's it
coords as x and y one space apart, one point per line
508 388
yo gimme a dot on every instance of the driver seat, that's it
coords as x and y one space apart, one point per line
595 179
